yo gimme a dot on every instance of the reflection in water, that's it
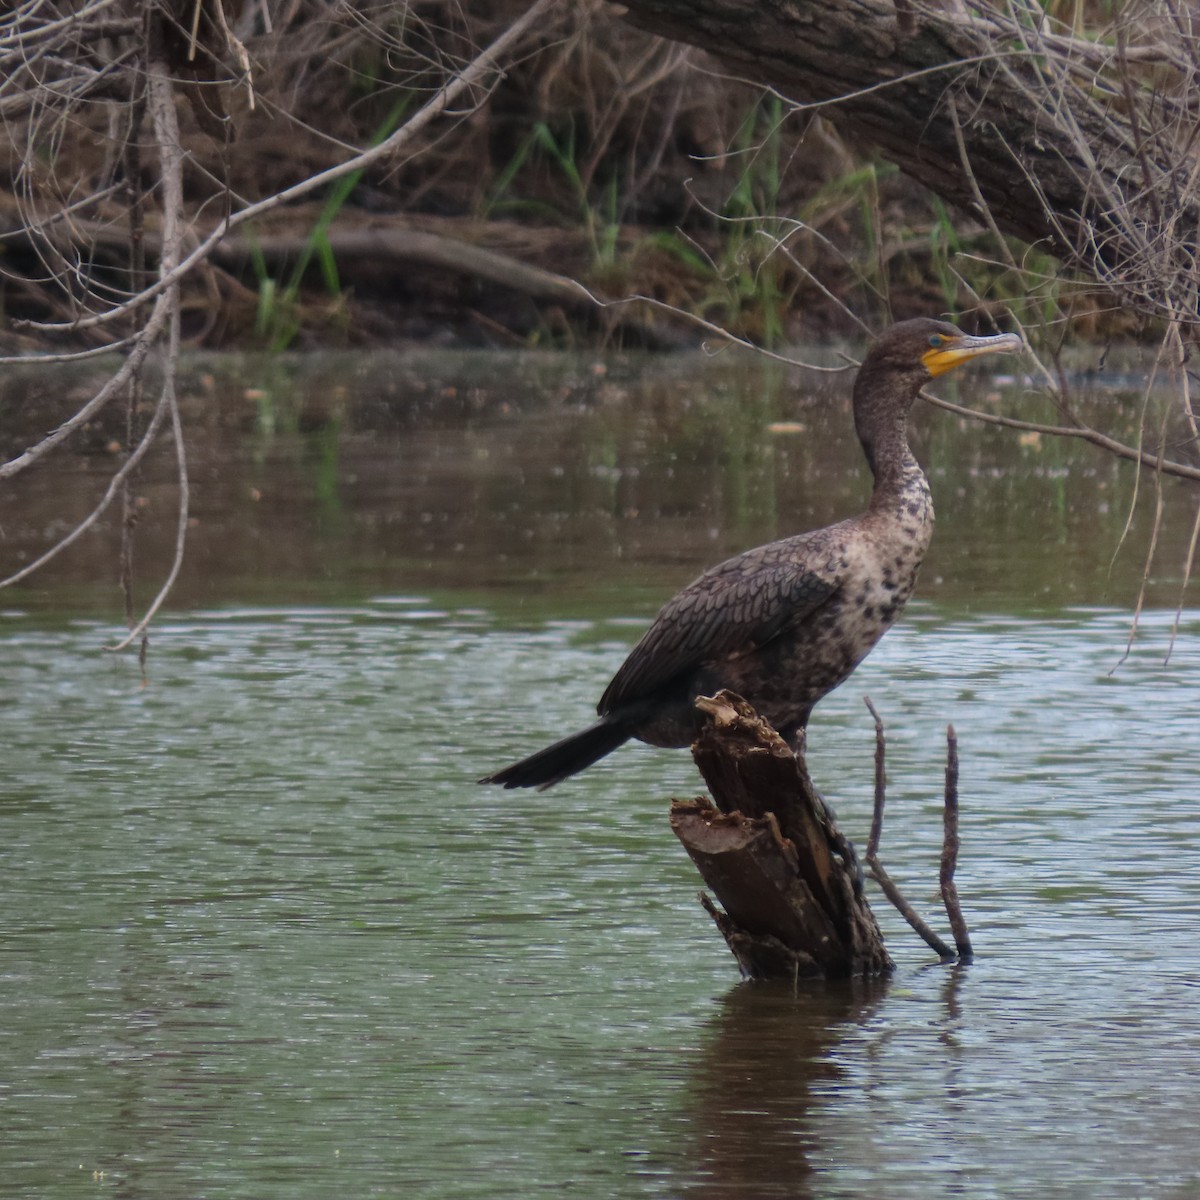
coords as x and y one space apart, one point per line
765 1054
262 936
557 485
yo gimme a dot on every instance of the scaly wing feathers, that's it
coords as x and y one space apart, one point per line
737 606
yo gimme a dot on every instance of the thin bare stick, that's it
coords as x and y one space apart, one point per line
31 225
1189 564
881 877
950 848
41 360
111 492
985 210
1141 596
880 782
160 101
1136 491
114 386
906 910
133 401
184 493
718 330
1085 433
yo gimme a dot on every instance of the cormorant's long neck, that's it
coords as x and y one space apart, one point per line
881 406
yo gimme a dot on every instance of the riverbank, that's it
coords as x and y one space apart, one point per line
603 162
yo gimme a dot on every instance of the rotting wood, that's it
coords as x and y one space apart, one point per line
768 846
770 851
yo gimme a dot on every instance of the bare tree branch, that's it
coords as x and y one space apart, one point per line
472 77
1083 433
54 59
878 873
145 342
160 102
951 844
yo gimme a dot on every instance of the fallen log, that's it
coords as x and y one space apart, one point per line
381 258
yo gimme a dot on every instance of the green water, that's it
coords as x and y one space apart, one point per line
261 934
546 486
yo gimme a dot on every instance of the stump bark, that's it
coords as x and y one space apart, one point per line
767 845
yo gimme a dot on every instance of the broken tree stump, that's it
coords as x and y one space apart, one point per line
770 850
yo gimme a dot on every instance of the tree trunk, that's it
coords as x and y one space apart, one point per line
789 882
1050 137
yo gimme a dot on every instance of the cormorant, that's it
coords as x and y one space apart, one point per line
785 623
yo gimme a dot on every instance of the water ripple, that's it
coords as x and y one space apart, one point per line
262 929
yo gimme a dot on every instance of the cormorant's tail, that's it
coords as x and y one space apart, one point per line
567 757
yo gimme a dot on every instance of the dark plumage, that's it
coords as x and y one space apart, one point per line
785 623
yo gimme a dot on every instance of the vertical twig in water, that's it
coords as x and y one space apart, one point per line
950 846
881 877
1189 564
135 389
1141 596
880 782
161 102
1179 364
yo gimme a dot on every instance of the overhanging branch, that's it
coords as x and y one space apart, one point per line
1066 147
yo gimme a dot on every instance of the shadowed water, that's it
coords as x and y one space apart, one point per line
261 935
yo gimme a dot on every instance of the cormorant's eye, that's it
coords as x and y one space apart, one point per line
935 340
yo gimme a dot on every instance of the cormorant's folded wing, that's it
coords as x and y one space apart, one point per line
737 606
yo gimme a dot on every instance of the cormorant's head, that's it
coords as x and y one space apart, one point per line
902 361
929 348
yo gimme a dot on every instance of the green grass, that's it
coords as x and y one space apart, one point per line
752 291
543 148
279 315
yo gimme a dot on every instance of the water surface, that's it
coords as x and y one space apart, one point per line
263 936
551 486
